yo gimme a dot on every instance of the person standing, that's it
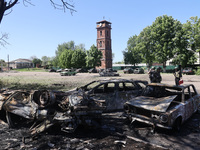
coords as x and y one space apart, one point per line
158 77
177 75
152 74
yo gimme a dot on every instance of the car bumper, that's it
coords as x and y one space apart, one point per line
146 120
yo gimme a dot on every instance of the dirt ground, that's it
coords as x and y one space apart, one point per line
83 78
115 132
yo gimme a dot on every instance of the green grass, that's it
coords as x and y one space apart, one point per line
31 70
16 81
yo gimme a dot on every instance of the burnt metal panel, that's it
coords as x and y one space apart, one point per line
151 103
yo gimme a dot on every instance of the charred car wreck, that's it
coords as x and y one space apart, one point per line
43 109
163 105
115 92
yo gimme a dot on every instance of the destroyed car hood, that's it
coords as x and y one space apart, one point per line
152 103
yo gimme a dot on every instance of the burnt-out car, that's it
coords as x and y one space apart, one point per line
43 109
128 70
108 72
162 105
115 92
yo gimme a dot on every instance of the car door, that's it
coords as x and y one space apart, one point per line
189 102
195 98
107 92
125 92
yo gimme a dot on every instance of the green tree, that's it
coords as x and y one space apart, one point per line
163 31
65 46
119 62
81 47
36 62
65 58
45 60
2 61
51 61
192 28
78 59
132 55
2 64
93 57
145 46
182 55
60 49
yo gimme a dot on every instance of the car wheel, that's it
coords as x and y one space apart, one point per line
177 124
44 99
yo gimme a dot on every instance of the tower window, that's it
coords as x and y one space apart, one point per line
100 33
107 33
100 43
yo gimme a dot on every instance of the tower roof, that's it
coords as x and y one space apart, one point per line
104 21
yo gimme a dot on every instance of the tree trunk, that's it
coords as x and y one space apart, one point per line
199 58
164 66
2 9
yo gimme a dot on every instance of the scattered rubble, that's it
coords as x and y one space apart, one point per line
44 109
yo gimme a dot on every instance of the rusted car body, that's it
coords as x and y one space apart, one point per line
115 92
163 105
45 108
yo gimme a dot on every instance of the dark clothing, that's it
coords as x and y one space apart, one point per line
155 76
178 76
151 75
177 81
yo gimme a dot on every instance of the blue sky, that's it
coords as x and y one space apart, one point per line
38 30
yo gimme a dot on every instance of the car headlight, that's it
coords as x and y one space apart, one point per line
163 118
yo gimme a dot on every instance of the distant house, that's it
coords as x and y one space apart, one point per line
20 63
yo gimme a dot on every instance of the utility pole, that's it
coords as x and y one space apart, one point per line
8 63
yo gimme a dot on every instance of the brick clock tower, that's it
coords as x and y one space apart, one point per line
104 43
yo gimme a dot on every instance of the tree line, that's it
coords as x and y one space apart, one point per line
166 39
69 55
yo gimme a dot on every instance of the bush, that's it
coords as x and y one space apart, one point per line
197 72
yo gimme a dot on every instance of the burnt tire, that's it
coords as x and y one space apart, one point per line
177 124
44 99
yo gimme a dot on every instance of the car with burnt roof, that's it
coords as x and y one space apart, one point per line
164 106
115 92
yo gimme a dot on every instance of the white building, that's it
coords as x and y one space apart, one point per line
20 63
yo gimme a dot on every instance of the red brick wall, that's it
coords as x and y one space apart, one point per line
104 43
